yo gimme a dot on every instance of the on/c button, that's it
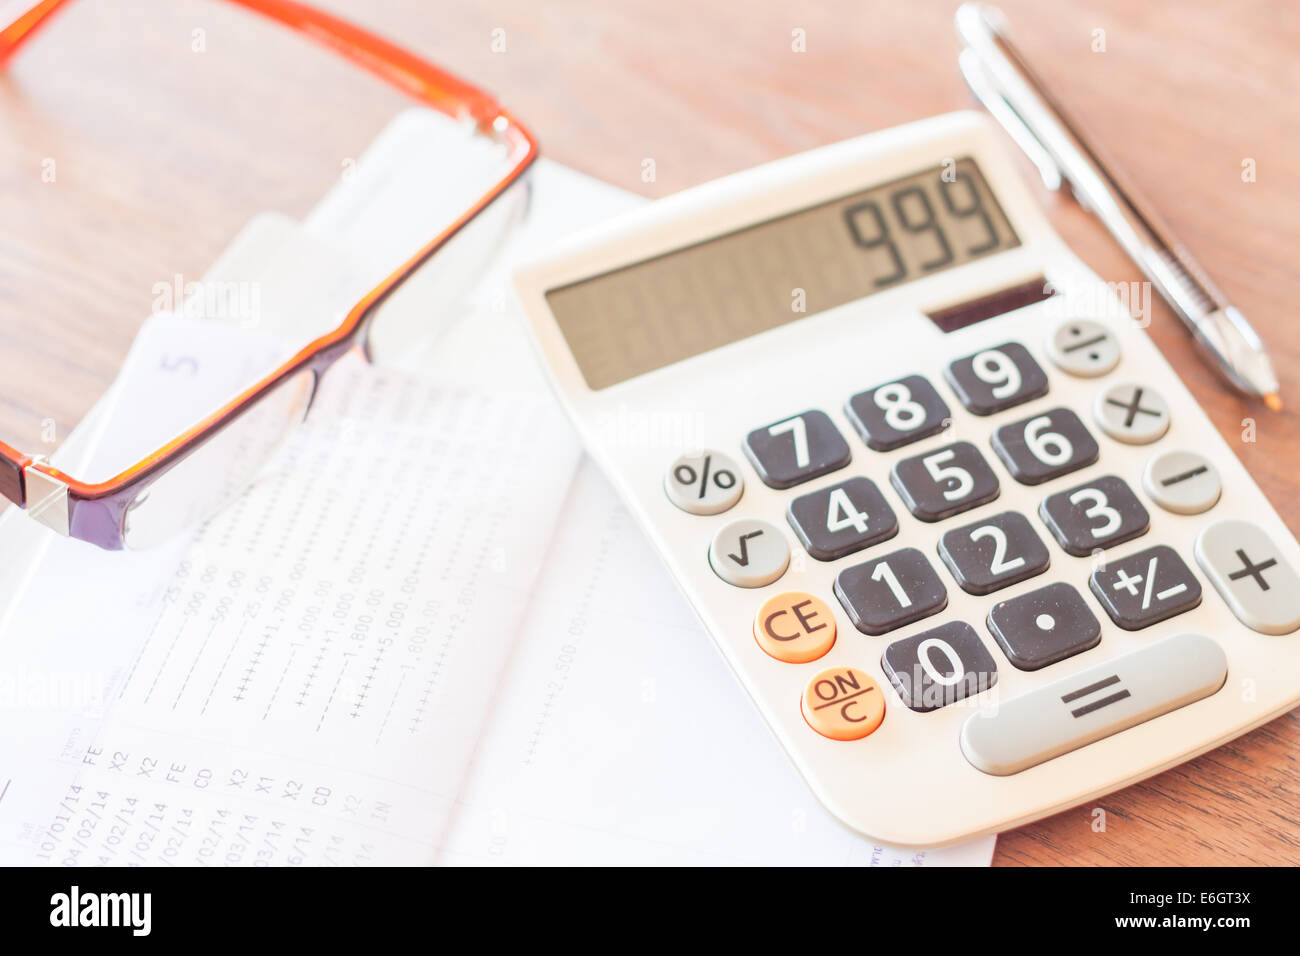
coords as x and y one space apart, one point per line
843 703
794 627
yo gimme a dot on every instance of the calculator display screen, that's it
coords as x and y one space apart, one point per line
644 316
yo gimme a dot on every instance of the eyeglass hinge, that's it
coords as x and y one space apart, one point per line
47 499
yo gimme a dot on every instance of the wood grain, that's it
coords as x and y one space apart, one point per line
155 174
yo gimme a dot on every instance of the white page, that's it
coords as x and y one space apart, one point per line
305 680
619 736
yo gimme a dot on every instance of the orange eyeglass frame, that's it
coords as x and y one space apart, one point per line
95 512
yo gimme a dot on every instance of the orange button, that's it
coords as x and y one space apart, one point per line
795 627
843 703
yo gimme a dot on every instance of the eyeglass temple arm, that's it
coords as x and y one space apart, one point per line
13 480
422 80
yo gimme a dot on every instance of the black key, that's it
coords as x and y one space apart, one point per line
1100 514
1046 446
898 413
944 482
939 667
795 450
889 592
1044 626
994 553
1145 588
841 519
997 378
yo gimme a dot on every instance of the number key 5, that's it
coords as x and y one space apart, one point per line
944 482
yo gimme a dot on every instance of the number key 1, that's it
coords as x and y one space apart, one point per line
889 592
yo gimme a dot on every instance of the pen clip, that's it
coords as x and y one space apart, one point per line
990 74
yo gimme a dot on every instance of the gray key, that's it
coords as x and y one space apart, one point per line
996 378
941 483
749 553
1097 702
1145 588
1044 626
1083 347
1131 413
1046 446
1100 514
891 591
796 449
898 413
993 553
704 483
939 667
1251 575
1182 481
846 517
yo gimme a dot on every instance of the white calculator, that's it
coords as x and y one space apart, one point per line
971 547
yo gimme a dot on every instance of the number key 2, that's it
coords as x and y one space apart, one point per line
898 413
889 592
993 553
1046 446
996 379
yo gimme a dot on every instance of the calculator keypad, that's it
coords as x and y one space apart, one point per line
996 379
1100 514
947 663
796 449
1145 588
944 482
749 553
846 517
1046 446
898 413
888 592
993 553
939 667
1044 626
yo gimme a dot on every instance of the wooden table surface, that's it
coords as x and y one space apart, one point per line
147 135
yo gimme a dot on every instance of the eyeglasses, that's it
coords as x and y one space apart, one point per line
193 476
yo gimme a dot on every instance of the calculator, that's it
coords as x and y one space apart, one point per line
972 549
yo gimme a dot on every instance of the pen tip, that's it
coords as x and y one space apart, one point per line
1274 401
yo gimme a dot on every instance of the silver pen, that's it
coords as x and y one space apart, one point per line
1004 83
